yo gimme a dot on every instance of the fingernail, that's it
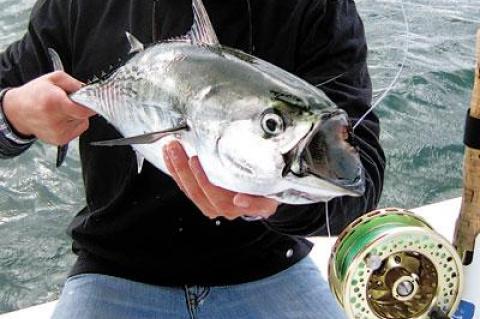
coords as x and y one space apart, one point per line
165 153
265 214
194 164
172 151
241 201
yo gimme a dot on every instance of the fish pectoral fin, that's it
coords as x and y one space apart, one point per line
148 138
135 44
139 139
202 31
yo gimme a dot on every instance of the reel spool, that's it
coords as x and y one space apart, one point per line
390 264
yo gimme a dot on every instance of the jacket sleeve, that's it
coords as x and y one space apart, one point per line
333 45
28 59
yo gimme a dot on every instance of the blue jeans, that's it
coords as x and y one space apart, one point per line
298 292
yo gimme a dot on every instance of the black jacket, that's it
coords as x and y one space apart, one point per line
142 227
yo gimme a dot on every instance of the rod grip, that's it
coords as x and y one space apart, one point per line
468 223
475 102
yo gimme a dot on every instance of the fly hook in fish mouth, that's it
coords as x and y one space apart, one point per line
308 156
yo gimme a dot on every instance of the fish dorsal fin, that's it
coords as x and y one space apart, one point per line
202 31
182 38
135 44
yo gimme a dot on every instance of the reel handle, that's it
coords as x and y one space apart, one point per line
468 223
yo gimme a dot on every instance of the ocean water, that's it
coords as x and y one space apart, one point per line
423 49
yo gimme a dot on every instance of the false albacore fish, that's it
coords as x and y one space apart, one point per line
256 128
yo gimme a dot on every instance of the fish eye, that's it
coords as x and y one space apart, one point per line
272 123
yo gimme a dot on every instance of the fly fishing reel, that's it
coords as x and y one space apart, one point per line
390 264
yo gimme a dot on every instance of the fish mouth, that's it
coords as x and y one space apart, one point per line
328 152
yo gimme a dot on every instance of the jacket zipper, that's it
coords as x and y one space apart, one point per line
154 22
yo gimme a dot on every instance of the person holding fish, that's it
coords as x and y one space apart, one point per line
205 166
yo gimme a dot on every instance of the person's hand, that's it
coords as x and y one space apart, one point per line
41 108
213 201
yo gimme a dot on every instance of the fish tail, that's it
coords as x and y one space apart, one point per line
62 150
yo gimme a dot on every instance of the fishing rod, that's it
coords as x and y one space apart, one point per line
467 230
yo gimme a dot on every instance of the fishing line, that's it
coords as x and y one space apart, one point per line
327 220
397 76
331 79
